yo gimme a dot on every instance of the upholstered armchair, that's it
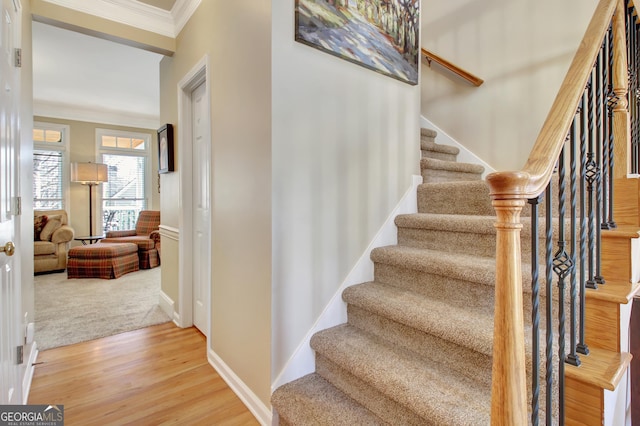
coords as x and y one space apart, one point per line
51 236
146 236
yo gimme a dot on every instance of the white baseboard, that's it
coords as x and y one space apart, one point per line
261 412
302 362
465 156
167 304
28 372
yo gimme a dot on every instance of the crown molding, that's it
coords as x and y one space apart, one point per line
135 14
183 10
94 115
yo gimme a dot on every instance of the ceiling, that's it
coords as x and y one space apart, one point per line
80 77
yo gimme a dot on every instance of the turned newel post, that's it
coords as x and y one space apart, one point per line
508 392
621 121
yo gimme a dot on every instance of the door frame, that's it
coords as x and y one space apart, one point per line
199 74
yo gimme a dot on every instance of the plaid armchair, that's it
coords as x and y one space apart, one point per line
146 236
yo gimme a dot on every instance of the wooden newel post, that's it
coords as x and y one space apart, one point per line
621 121
508 393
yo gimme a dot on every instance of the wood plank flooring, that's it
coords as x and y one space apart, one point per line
154 376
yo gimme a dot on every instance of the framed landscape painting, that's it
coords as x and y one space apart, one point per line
382 35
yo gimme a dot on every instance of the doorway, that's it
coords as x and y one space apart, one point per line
195 184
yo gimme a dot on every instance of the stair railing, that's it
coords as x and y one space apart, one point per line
587 131
450 68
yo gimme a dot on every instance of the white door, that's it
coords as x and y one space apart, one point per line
10 298
201 175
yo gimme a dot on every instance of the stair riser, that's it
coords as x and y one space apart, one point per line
433 176
431 348
455 201
471 243
449 241
378 403
438 155
453 291
462 293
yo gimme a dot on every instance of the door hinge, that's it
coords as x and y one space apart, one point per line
17 206
18 57
19 354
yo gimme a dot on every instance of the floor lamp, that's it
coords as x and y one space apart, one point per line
90 174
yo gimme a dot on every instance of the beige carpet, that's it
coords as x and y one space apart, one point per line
417 346
77 310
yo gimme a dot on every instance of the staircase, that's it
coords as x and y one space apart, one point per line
417 347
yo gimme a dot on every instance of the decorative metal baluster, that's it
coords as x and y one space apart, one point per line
563 265
635 93
632 56
612 100
573 358
592 175
597 148
582 346
549 296
606 133
535 314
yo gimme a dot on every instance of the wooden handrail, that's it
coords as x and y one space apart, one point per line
452 68
536 173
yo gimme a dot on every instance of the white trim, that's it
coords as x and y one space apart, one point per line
167 305
465 156
136 14
126 12
182 11
261 412
198 74
169 232
27 379
302 362
94 115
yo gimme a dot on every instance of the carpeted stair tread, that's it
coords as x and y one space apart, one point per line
458 324
455 265
311 400
437 394
435 164
428 145
429 133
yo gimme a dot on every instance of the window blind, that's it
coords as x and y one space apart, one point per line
47 180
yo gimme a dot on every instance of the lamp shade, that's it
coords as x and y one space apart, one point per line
89 173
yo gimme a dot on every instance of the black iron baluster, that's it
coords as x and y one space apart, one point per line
562 266
535 314
573 358
611 103
597 148
582 345
632 57
592 176
606 133
549 296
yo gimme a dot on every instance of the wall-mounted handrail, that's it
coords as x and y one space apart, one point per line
451 68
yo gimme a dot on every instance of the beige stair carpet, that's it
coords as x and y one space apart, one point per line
417 346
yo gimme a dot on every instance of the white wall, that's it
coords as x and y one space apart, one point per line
345 144
521 48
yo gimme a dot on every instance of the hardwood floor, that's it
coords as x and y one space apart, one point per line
153 376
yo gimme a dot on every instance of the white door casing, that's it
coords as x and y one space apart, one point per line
201 204
11 329
198 75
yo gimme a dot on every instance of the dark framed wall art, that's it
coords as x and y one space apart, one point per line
382 35
165 149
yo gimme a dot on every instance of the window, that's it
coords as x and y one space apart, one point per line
128 190
50 183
